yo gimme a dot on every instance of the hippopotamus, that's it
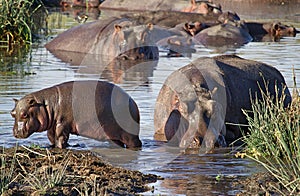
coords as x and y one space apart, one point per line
203 8
231 34
274 31
80 3
202 102
166 18
90 108
178 46
111 38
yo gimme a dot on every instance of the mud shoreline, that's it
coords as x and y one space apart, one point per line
28 170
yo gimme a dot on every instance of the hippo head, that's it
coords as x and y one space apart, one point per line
193 28
191 113
279 30
29 116
196 122
228 16
134 42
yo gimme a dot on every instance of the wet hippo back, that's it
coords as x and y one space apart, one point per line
109 38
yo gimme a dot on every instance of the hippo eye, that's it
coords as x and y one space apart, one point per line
23 115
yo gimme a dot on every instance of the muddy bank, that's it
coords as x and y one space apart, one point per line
67 172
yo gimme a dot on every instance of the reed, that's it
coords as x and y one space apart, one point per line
16 21
52 176
274 139
6 171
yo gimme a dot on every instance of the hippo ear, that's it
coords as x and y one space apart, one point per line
15 100
186 26
117 28
32 102
213 91
276 26
150 26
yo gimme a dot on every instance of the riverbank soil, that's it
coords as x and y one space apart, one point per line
262 183
33 171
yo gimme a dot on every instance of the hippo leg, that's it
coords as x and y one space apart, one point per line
59 136
131 141
119 143
51 137
175 127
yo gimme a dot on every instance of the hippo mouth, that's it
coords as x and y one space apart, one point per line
20 130
143 52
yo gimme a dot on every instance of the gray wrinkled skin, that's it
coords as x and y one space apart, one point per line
197 101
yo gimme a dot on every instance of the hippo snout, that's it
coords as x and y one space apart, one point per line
18 130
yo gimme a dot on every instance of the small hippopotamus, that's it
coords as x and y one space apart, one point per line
201 103
93 109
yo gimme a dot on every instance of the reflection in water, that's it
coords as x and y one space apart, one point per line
116 71
184 172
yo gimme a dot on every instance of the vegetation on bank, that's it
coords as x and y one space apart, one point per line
17 21
274 140
38 171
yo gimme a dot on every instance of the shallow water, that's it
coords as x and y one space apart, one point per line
185 173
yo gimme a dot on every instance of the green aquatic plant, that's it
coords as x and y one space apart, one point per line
16 21
274 139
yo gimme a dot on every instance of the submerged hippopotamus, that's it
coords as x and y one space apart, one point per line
203 8
273 31
231 34
198 100
93 109
80 3
111 38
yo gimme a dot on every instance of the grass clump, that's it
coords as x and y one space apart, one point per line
47 177
16 21
274 139
6 172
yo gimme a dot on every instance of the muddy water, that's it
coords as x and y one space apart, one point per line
185 172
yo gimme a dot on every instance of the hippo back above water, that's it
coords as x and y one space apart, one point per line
94 109
111 38
197 100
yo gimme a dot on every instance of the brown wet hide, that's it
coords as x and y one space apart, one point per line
93 109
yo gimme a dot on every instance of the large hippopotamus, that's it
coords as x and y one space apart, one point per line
205 106
93 109
111 38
